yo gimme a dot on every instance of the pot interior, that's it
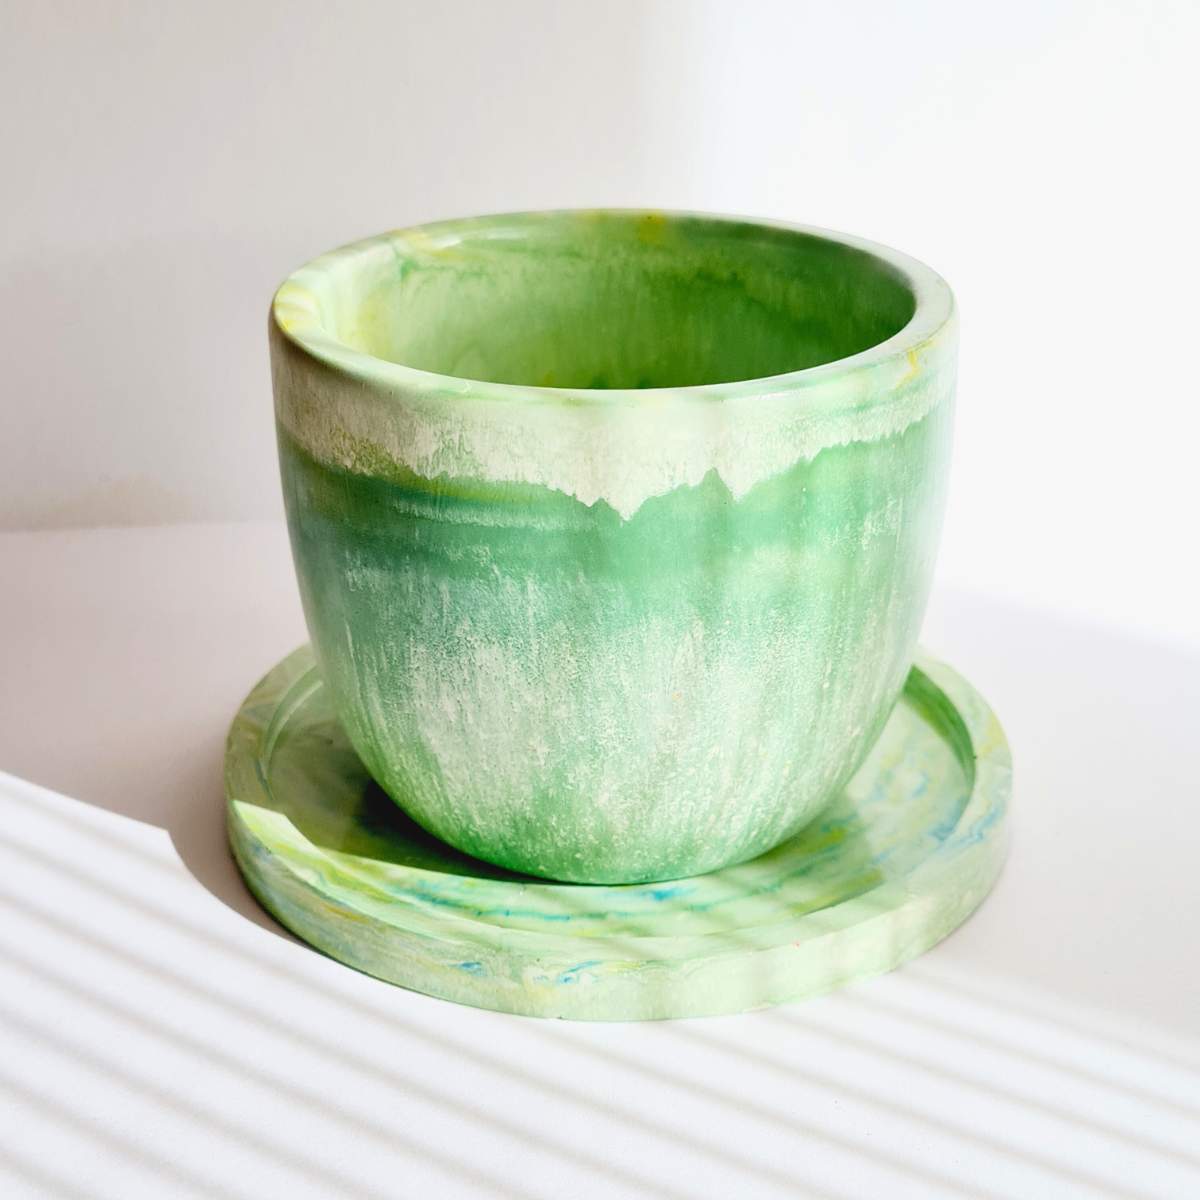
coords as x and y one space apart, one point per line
616 300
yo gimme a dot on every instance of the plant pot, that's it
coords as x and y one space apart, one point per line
613 530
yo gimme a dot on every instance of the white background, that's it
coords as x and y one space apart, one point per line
165 165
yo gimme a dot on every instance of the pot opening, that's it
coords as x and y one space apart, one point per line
616 300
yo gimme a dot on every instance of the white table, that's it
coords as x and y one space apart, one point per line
161 1037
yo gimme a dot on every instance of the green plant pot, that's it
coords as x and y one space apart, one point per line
613 530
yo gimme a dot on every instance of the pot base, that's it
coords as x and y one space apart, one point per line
900 860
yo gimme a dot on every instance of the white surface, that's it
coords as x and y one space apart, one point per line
166 165
160 1036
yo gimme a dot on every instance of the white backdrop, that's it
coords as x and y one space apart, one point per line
165 165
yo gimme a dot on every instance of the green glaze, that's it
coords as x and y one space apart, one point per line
613 530
898 860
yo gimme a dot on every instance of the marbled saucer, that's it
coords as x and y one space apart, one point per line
900 860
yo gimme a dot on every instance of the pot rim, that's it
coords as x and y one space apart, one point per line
296 312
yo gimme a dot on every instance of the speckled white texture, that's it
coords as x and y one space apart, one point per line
617 453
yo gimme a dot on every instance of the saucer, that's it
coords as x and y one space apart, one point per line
902 858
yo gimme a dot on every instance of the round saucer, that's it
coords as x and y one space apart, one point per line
900 860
